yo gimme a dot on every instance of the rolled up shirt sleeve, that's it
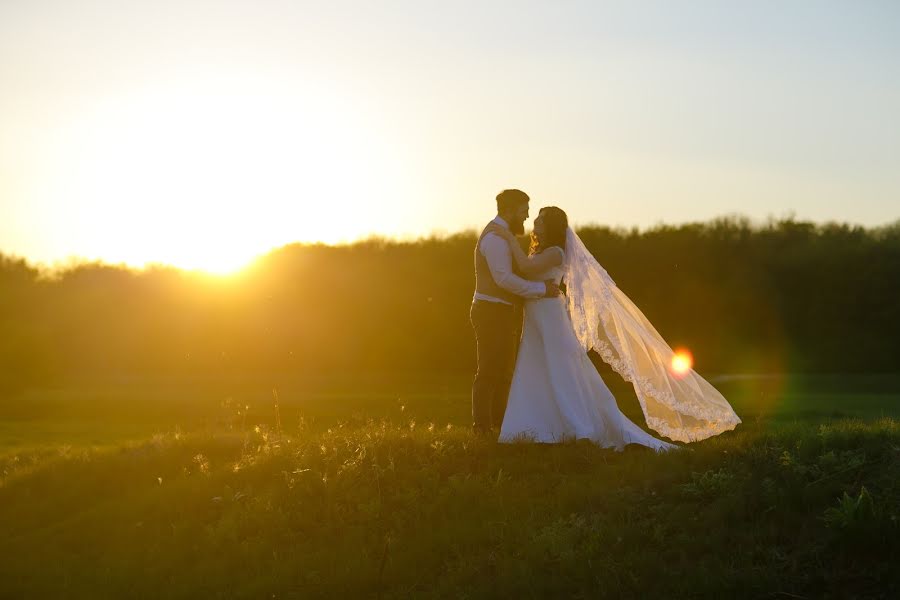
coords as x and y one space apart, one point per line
499 259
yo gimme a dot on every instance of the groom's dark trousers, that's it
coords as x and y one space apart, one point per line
498 328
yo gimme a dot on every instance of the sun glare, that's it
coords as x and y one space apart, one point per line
210 177
682 362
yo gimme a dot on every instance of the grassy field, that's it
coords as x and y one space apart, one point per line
376 488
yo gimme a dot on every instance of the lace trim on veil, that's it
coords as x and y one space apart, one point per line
685 408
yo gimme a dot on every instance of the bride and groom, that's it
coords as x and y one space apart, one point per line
535 380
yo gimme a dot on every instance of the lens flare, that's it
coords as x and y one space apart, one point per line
682 362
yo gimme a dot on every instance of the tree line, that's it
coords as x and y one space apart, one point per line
785 296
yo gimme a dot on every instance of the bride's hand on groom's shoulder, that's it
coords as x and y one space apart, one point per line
502 232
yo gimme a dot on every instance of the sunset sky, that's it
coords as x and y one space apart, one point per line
203 133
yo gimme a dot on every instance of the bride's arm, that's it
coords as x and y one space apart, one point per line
529 265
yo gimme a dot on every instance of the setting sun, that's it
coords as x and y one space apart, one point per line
210 176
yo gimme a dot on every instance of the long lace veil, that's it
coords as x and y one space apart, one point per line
682 407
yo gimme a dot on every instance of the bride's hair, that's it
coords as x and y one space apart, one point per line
555 224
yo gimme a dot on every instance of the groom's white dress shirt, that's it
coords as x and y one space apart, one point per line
499 259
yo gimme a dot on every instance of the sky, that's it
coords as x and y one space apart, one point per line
202 133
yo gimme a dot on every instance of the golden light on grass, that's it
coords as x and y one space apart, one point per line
682 362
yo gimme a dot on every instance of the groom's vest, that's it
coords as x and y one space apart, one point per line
484 281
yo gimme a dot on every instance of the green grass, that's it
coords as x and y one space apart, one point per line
173 492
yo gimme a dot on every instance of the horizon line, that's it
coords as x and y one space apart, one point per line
60 265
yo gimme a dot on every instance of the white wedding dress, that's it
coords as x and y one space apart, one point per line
557 393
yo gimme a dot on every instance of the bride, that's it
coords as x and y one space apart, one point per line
557 393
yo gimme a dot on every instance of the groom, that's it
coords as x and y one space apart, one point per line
497 311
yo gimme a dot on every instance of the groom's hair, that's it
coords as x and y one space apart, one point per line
510 199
